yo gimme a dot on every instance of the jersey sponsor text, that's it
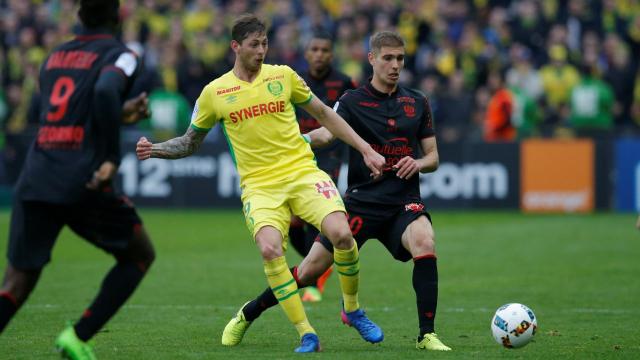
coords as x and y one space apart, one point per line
257 110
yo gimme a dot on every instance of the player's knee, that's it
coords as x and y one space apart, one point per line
423 245
269 250
148 257
341 237
141 251
19 284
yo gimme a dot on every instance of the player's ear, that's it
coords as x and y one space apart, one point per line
371 57
235 45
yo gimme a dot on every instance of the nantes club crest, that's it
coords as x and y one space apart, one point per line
275 87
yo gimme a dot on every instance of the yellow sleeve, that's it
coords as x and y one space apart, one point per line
205 116
300 92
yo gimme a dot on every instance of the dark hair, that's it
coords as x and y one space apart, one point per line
98 13
247 24
322 35
385 38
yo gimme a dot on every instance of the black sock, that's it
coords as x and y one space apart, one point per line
297 238
257 306
116 288
8 308
425 283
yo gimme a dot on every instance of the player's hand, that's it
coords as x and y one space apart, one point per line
374 161
102 176
136 109
143 148
406 167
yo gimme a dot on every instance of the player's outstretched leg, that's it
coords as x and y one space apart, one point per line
236 328
117 286
71 347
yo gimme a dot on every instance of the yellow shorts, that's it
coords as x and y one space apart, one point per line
311 196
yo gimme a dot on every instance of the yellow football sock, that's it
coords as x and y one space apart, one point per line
348 266
285 289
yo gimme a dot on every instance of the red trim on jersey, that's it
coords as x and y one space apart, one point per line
87 313
9 296
93 37
425 256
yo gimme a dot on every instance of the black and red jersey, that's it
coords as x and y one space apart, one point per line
328 89
69 146
393 124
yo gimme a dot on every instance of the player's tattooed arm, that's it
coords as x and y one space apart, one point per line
175 148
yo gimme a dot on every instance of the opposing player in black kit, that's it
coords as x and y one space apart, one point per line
67 176
328 84
398 123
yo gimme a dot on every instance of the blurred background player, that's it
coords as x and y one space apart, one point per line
390 208
328 84
67 178
278 177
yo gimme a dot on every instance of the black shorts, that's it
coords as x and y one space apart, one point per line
106 219
386 223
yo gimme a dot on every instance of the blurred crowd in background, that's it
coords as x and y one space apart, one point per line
494 70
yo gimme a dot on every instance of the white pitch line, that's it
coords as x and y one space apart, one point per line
385 309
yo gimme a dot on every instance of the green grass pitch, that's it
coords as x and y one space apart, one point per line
579 273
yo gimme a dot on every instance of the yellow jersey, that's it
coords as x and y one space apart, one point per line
259 123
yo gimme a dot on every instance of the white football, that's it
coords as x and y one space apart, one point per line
513 325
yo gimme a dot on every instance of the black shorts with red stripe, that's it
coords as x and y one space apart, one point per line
386 223
104 218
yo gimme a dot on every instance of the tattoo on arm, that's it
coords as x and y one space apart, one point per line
179 147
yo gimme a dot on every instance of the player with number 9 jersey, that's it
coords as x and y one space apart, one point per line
71 144
67 176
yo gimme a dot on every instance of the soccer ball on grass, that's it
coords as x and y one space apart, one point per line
513 325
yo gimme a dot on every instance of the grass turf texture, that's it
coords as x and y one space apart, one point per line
579 274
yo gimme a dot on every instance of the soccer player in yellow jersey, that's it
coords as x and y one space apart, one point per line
278 175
